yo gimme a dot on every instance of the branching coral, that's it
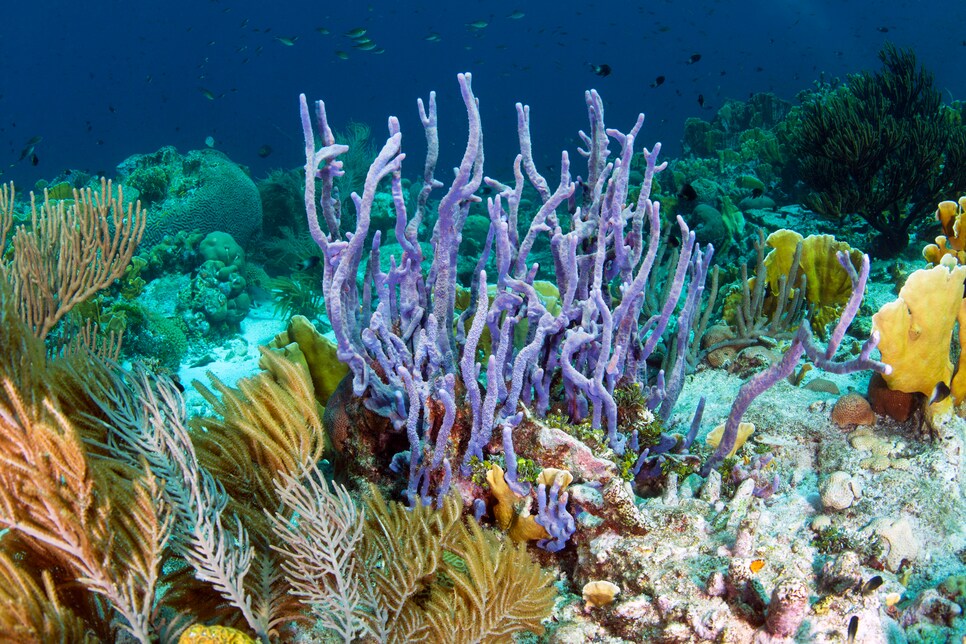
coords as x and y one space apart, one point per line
408 346
68 252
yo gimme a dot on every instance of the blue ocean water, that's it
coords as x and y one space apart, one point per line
99 81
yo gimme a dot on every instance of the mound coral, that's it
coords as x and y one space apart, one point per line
851 410
201 190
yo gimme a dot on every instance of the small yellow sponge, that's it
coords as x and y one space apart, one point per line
200 634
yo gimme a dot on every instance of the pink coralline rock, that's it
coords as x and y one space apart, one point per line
932 607
787 607
552 447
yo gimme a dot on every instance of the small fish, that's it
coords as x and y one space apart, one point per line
288 42
176 381
600 70
871 584
693 59
34 159
516 15
658 81
28 149
210 141
688 193
203 361
433 37
207 93
478 25
309 262
358 32
700 100
323 31
853 628
380 50
341 55
757 192
939 393
264 151
756 565
882 30
367 46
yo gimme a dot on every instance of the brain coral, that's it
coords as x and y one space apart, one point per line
201 190
852 409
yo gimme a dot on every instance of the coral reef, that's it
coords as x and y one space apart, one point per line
516 411
202 190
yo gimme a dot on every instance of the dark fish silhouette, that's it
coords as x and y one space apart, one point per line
871 584
658 81
264 151
688 193
700 100
693 59
882 30
28 148
600 70
853 628
939 393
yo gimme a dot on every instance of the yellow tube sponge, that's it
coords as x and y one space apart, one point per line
952 217
915 331
303 343
512 512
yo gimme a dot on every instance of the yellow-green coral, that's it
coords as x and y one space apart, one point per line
828 286
302 342
201 634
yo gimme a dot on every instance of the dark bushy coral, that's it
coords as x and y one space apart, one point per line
881 146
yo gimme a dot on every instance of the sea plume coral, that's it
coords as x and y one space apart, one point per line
403 575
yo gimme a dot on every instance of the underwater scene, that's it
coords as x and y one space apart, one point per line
483 322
